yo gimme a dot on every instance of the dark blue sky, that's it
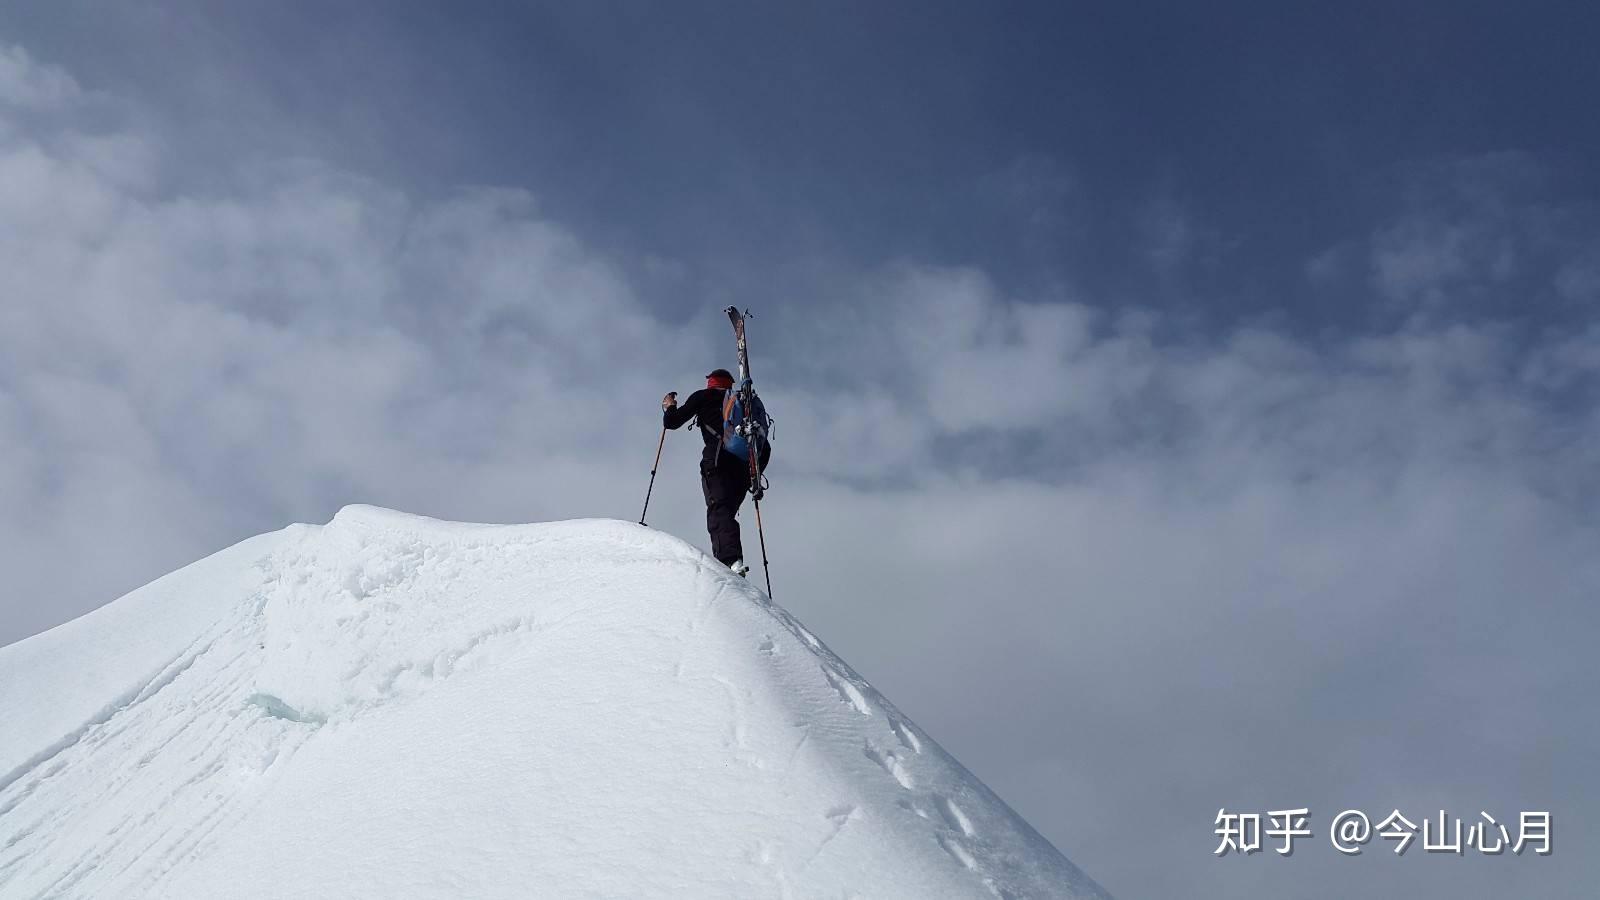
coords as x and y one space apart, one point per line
1049 143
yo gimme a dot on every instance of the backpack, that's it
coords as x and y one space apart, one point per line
743 427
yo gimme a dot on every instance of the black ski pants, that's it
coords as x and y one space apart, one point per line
725 486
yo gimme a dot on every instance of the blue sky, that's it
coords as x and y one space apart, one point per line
1057 145
1216 384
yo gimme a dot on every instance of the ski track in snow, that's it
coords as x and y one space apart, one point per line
211 731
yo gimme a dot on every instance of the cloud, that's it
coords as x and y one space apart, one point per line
1248 573
267 347
1039 190
1481 235
1579 280
27 85
1240 569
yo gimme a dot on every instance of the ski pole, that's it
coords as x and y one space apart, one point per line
766 569
653 467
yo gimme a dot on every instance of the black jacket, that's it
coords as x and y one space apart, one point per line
704 406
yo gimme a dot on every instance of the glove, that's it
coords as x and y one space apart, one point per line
670 401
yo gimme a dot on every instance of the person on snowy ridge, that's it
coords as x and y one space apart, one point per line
724 477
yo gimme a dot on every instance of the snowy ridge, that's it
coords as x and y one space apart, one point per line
391 706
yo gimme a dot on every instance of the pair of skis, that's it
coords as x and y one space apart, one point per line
753 432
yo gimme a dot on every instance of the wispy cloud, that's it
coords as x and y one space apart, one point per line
25 84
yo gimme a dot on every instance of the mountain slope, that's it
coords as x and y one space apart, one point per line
390 706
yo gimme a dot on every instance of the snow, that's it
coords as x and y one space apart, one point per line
392 706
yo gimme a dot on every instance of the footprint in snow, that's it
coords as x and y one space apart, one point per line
906 735
891 764
848 692
962 855
954 816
